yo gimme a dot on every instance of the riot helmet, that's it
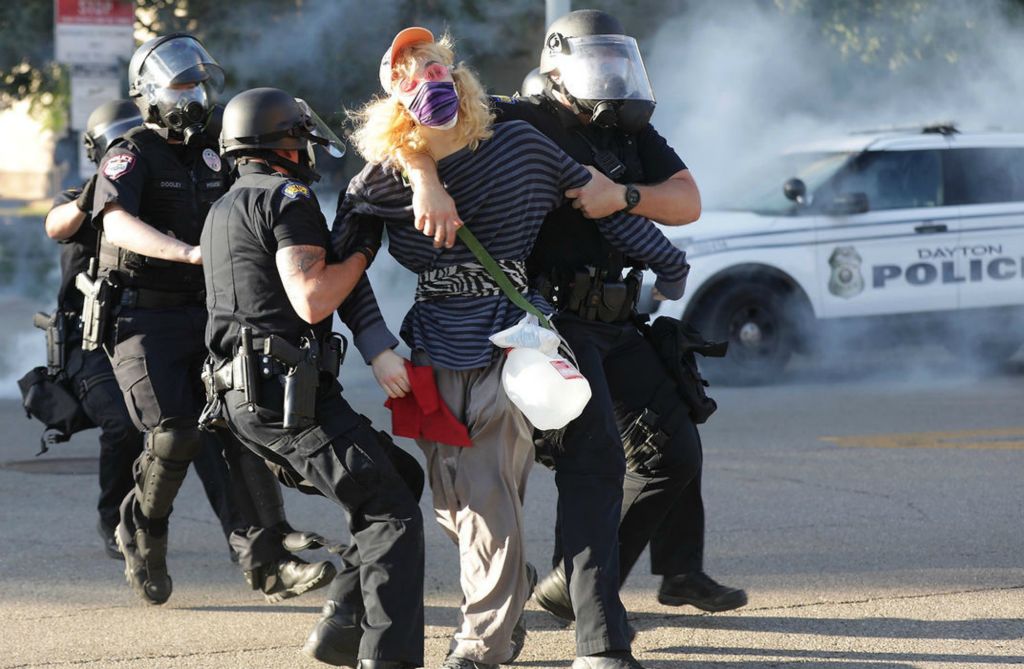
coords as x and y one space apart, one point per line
173 81
599 69
260 120
108 122
533 84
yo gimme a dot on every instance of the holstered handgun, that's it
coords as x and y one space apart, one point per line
301 380
248 366
53 324
96 308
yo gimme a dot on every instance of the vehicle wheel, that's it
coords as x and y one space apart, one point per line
759 324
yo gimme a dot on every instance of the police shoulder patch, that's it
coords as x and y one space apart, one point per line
294 190
117 165
503 98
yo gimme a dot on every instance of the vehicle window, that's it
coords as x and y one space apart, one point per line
760 189
890 179
979 176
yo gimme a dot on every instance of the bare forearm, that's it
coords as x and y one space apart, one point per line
673 202
130 233
63 221
314 288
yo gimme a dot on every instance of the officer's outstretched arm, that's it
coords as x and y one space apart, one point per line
63 221
132 233
314 288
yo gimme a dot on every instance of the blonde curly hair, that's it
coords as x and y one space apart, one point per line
385 131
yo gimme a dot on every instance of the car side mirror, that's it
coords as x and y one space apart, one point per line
796 190
847 203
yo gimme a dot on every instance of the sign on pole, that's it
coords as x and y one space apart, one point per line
94 38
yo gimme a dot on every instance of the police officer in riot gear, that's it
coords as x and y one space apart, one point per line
153 190
634 453
88 373
597 105
272 288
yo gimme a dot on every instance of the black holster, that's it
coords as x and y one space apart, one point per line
677 343
100 299
592 295
257 359
55 327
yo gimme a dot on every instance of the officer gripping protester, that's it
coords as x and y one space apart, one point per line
272 288
145 308
636 442
596 104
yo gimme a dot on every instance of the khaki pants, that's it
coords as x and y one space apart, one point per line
478 494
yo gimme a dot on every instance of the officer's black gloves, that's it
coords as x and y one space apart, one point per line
84 201
368 234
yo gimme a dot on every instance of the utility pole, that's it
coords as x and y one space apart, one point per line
555 9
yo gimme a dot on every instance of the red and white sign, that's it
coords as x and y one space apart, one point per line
94 32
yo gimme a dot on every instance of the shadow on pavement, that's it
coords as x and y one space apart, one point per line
743 664
882 628
838 657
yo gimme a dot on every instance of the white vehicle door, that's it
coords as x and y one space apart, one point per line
875 217
988 184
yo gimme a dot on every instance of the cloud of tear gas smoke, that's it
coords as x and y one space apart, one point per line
739 81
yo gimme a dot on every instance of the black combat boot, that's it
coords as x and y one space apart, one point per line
335 639
290 577
145 563
106 533
700 590
552 595
612 660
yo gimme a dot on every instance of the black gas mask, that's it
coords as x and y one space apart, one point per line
602 76
173 79
183 111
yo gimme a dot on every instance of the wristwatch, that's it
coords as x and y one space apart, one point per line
632 197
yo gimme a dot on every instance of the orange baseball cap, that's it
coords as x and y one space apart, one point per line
405 38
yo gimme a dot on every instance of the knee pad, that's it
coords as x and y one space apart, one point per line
163 466
174 440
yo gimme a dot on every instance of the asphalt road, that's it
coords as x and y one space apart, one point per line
873 511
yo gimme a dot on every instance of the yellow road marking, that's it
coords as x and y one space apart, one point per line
1004 438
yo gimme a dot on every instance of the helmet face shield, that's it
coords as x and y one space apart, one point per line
603 67
320 132
181 60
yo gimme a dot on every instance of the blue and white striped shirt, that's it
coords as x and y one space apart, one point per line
503 190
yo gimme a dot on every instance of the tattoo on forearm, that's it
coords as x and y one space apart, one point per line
303 258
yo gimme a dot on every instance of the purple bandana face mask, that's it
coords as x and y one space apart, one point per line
436 105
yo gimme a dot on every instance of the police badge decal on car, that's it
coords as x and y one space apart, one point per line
846 280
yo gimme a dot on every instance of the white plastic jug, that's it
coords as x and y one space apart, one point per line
548 390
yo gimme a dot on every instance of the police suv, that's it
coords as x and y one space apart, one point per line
919 232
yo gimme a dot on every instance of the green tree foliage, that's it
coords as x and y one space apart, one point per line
897 36
27 69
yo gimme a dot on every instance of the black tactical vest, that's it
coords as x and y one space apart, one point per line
568 241
175 199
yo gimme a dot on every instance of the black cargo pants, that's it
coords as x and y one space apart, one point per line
120 441
660 490
341 457
157 359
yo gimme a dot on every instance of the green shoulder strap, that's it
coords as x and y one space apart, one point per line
498 274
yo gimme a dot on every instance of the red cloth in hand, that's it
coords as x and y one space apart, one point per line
422 414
